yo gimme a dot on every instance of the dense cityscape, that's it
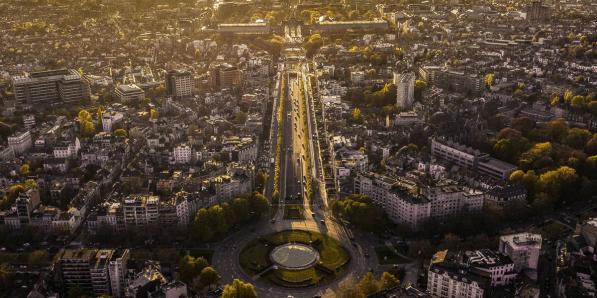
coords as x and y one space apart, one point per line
288 148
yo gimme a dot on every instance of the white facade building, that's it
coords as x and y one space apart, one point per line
182 154
524 249
20 142
405 89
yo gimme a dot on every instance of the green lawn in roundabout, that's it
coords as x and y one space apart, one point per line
332 257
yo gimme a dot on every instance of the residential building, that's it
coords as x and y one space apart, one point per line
524 249
118 270
182 154
140 210
73 267
245 28
225 76
447 278
20 142
498 267
538 12
451 79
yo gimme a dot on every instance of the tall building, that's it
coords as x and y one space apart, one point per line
538 12
180 83
225 76
405 89
50 88
25 203
74 269
524 249
118 270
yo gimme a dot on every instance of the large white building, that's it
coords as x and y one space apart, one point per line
20 142
524 250
129 93
182 154
407 202
405 89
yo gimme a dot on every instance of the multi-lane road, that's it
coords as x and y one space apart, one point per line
293 165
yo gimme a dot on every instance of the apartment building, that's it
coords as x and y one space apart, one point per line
452 79
20 142
140 210
180 83
498 267
447 278
182 154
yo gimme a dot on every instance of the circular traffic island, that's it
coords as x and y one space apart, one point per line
294 258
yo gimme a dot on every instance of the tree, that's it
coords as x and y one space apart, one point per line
388 280
356 114
208 276
120 133
100 121
153 114
568 96
259 203
450 241
88 129
577 137
489 80
368 285
239 289
24 170
577 102
37 257
202 227
190 267
348 289
516 176
76 292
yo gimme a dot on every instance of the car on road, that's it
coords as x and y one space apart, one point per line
272 221
313 214
322 221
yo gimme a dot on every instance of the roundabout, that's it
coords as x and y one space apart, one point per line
294 258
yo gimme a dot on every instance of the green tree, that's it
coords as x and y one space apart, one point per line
153 114
356 114
568 96
489 80
202 226
239 289
120 133
388 280
368 285
577 137
208 276
190 267
37 257
578 102
24 170
88 129
218 220
259 203
240 207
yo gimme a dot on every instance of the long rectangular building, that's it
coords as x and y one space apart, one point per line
50 88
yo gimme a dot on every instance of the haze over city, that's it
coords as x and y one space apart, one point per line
298 149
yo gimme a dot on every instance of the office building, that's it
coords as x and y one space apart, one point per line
51 88
498 267
452 80
470 158
129 93
405 89
225 76
179 83
118 272
73 267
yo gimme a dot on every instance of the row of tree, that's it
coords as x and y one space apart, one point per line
359 210
196 271
369 97
366 286
214 222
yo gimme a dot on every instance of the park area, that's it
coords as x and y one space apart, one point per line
256 258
